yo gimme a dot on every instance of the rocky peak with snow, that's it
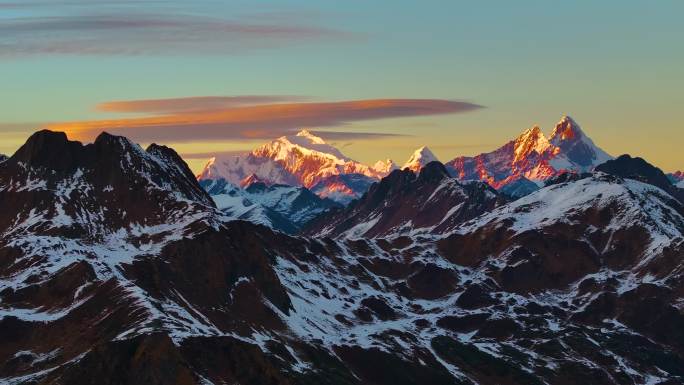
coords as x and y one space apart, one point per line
419 159
58 177
534 157
408 203
385 166
529 142
566 130
639 169
575 146
312 138
292 148
52 150
303 159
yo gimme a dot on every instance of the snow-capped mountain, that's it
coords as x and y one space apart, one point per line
303 159
408 203
637 168
533 157
384 167
419 159
280 207
117 268
599 227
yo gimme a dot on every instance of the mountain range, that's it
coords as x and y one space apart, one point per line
280 207
303 159
533 157
408 203
519 167
118 266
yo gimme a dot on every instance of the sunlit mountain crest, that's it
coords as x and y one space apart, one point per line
534 157
303 159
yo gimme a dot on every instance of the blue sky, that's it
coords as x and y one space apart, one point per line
617 67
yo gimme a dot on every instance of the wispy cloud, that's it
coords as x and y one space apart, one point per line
206 155
111 30
261 121
192 104
353 135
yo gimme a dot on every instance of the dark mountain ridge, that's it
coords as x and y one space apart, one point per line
639 169
402 202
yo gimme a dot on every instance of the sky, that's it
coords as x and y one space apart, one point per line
378 79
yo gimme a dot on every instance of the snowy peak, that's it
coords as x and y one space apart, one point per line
419 159
639 169
532 140
310 136
304 143
385 166
303 159
575 146
66 183
532 157
566 130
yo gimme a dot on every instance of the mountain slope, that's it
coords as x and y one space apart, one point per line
637 168
406 203
284 208
534 157
607 220
517 188
107 250
303 159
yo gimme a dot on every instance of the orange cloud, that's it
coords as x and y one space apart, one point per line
256 121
